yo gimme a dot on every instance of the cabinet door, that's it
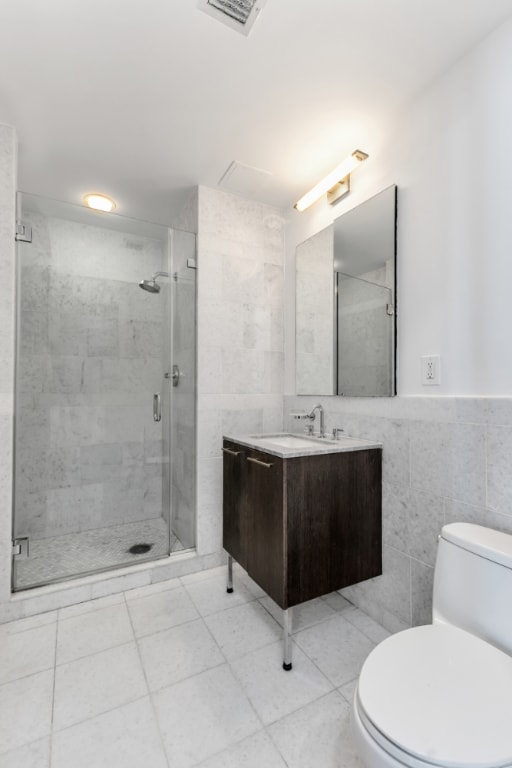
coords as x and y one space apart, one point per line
265 523
334 522
234 523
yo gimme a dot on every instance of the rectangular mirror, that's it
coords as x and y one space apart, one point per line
346 304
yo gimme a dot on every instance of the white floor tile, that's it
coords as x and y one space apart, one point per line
210 596
96 684
348 690
337 602
36 755
25 710
93 632
178 653
26 653
303 615
317 735
203 716
273 692
337 648
243 629
367 625
161 611
91 605
127 737
31 622
254 752
152 589
209 573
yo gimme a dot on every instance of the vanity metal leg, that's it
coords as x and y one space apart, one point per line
287 641
229 587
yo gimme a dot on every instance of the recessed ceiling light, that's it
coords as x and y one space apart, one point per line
99 202
237 14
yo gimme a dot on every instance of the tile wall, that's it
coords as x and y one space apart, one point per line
444 460
7 311
314 317
88 452
365 333
240 337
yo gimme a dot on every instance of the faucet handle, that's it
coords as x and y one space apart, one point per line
301 415
336 432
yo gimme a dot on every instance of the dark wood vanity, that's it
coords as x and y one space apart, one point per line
306 525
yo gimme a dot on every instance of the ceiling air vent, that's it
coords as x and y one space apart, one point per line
237 14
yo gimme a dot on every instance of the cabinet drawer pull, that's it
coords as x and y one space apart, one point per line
261 463
231 453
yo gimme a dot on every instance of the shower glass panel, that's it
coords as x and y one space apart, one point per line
365 337
94 458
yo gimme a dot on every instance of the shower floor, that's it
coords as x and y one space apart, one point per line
73 554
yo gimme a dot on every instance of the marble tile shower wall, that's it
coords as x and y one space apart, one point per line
364 334
314 326
88 452
240 337
7 313
444 460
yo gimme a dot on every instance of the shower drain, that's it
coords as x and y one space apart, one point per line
139 549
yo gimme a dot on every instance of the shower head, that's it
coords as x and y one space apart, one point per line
151 286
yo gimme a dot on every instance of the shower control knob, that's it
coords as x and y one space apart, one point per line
175 375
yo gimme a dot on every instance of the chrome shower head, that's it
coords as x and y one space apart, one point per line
151 286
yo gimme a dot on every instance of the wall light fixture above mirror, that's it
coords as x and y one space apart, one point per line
346 304
335 185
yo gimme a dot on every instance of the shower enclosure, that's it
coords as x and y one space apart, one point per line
105 393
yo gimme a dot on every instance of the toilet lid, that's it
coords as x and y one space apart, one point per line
441 695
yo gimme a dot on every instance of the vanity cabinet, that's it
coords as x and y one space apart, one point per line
303 526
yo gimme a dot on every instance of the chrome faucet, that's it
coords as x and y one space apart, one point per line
321 412
311 418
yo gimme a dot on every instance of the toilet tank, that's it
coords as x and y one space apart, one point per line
473 582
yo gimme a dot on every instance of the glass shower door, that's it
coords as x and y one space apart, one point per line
183 392
365 337
92 480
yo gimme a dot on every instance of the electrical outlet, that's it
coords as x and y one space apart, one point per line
430 370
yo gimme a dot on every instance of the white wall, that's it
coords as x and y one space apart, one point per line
450 157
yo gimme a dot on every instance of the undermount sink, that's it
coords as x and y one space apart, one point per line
289 441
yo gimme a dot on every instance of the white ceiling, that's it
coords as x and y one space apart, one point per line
143 99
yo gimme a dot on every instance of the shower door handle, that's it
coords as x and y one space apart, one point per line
157 407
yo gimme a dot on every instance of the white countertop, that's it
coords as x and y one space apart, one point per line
290 445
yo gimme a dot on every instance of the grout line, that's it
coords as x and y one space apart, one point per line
96 653
188 677
25 677
95 609
50 758
5 634
6 753
152 704
228 748
99 714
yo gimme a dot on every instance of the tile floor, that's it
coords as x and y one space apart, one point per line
180 674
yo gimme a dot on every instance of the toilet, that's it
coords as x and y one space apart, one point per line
440 695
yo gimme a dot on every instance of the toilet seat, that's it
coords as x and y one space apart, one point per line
438 696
